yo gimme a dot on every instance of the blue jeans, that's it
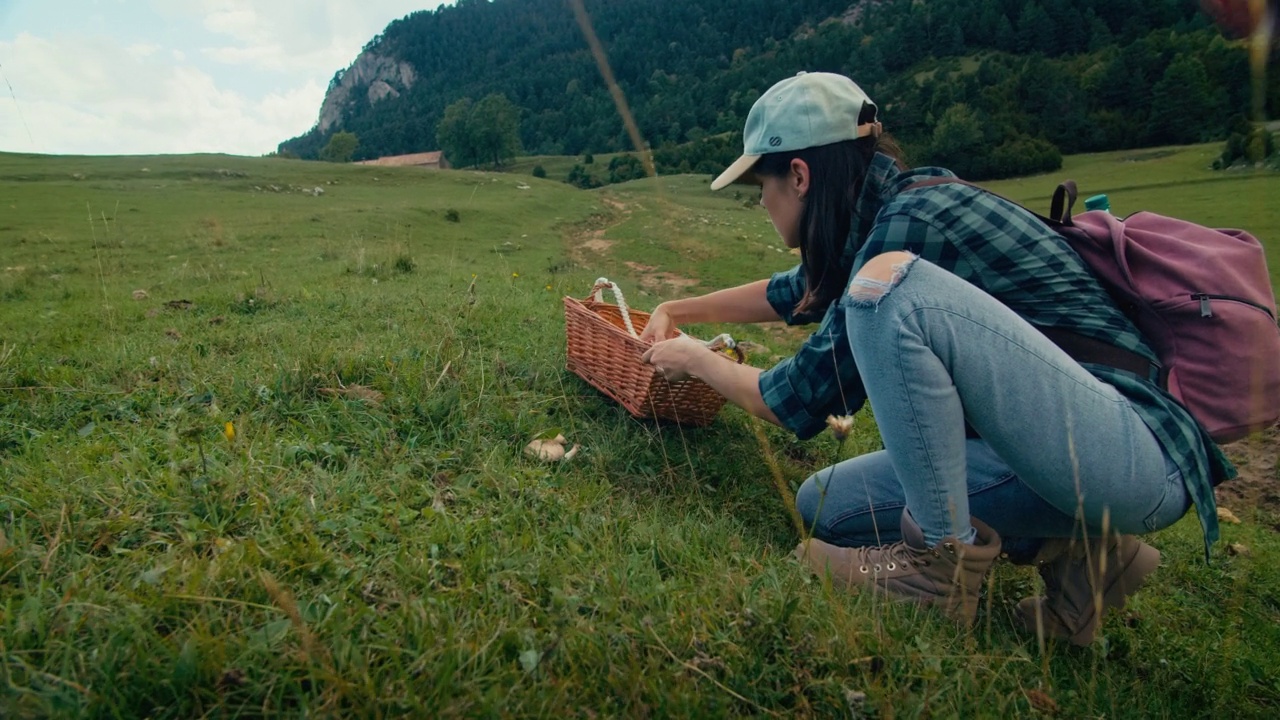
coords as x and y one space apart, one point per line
1060 451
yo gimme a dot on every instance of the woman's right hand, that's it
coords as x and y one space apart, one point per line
661 326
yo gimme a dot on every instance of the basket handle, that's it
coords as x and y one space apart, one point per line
723 341
598 293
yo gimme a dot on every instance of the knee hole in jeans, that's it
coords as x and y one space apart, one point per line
878 276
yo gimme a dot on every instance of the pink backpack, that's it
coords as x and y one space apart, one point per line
1201 297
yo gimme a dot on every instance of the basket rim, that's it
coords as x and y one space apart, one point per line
638 344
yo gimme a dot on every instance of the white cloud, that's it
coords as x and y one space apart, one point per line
297 34
142 51
238 22
82 96
235 76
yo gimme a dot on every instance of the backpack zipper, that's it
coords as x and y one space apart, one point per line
1207 312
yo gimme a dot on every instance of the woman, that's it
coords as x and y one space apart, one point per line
934 299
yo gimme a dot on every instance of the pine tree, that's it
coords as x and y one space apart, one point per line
1036 33
1179 102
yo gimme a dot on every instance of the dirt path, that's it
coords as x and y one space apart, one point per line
589 239
1258 487
588 246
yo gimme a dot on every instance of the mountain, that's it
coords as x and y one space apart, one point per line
1024 80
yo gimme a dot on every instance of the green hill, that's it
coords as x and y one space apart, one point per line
260 455
994 88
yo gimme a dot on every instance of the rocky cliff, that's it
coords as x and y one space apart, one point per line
378 76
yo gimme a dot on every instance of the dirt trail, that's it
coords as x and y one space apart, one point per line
588 246
590 238
1258 487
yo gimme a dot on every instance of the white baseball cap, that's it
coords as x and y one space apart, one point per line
808 110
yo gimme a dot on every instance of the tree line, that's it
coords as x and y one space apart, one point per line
988 87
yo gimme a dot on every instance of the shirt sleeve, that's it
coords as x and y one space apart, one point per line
821 379
784 292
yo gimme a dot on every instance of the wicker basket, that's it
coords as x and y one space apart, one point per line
603 350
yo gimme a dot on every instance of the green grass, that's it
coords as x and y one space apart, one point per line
558 166
1172 181
399 556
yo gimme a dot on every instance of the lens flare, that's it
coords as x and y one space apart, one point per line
1257 20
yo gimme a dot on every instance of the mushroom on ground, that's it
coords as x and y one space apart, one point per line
552 450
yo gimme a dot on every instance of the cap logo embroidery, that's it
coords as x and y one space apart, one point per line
775 141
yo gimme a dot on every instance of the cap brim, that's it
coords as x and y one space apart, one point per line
735 172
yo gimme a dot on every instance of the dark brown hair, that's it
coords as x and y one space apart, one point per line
836 174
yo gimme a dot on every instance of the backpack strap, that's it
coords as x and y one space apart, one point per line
1064 199
1081 348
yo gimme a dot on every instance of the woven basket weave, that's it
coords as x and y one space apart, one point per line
602 352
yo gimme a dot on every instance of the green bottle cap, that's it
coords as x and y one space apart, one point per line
1097 202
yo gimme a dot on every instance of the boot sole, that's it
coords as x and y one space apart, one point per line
1114 597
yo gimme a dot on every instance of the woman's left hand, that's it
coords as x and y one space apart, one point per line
677 359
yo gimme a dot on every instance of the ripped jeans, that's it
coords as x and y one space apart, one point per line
1059 449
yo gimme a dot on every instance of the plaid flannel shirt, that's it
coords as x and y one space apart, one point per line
1011 255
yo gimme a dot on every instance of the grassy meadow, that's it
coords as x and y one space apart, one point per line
557 167
261 426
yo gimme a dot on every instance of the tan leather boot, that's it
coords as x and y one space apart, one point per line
1084 579
949 574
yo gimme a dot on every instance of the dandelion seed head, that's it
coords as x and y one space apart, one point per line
840 426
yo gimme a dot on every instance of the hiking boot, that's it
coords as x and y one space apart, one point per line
948 575
1082 581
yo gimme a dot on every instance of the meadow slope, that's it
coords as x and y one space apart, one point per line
260 455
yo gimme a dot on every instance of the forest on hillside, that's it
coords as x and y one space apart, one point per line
988 87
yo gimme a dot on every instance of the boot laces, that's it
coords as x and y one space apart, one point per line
891 558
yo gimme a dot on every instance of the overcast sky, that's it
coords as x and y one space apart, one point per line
105 77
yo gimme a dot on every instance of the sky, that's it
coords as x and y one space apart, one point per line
129 77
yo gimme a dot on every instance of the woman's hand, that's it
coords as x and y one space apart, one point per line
682 357
743 304
677 359
661 326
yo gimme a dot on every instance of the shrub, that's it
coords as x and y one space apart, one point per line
1253 148
404 264
580 177
625 167
1022 156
